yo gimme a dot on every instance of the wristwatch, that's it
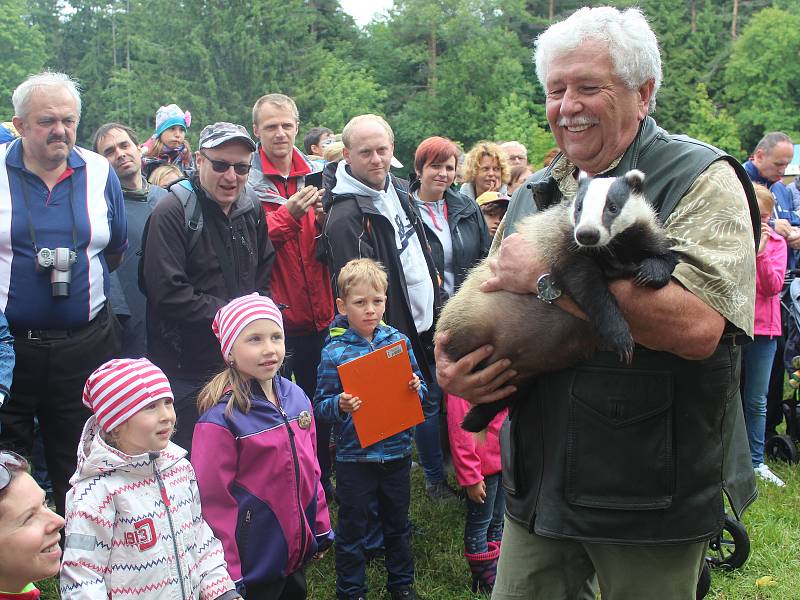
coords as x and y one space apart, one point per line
546 289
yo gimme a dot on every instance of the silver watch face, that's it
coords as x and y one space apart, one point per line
547 290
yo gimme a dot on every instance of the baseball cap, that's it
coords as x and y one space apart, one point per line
489 197
222 133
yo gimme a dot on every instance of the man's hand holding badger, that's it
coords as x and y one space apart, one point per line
608 232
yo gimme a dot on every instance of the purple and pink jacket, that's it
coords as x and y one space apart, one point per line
770 268
259 484
472 460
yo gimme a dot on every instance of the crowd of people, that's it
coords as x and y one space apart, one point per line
176 321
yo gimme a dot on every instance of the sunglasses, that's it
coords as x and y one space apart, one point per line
10 462
222 166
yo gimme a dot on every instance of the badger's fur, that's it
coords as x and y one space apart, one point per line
609 231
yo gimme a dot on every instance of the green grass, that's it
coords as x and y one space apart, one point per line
773 523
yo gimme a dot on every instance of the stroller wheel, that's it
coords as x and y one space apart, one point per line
729 549
704 582
781 447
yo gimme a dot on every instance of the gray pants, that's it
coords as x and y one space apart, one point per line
533 567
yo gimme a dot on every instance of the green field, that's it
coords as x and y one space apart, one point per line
773 523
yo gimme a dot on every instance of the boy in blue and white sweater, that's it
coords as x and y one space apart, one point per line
380 472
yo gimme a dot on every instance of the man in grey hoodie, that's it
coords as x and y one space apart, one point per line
370 217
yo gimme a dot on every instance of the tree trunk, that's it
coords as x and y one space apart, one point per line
694 16
432 58
551 10
735 17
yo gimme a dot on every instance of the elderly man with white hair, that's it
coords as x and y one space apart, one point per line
612 467
517 153
63 229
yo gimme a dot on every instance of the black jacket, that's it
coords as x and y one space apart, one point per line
356 229
184 291
471 238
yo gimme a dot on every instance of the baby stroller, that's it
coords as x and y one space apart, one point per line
728 550
784 446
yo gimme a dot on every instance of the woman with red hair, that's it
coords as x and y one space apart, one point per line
458 239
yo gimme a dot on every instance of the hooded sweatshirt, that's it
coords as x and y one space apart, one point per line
135 530
409 247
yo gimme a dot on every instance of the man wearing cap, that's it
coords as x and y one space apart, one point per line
120 146
493 205
63 229
189 276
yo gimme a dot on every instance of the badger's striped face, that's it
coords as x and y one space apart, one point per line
606 206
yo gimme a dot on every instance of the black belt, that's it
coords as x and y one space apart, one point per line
734 339
52 334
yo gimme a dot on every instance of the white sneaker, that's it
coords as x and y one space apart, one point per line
766 474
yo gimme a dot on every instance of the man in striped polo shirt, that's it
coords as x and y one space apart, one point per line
62 230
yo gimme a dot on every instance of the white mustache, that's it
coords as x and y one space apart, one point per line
577 121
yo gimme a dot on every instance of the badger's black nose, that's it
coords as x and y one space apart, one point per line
586 236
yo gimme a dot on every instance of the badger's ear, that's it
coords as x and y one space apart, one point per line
635 179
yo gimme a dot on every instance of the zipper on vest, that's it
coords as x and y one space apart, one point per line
165 500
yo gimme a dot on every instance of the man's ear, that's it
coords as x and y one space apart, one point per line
346 154
646 91
18 125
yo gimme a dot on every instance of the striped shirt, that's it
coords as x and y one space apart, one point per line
88 198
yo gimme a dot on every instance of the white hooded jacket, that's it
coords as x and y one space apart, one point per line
135 530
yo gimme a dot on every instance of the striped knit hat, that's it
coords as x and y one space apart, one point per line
238 314
122 387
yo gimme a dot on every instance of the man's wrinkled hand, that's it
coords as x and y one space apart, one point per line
299 202
516 268
461 379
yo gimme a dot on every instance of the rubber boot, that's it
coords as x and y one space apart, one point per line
484 569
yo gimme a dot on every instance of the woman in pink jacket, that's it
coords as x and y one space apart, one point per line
477 466
757 357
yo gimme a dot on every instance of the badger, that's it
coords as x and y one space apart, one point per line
608 231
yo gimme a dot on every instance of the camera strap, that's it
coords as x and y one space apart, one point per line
24 185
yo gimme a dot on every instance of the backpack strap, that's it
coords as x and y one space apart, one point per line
192 211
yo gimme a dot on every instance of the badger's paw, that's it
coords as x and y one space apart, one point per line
619 339
654 272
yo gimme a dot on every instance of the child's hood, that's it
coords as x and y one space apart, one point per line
97 457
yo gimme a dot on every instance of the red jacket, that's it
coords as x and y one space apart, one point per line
299 279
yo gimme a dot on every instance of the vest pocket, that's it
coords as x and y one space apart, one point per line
620 439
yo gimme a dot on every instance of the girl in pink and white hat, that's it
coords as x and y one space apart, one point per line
134 525
254 450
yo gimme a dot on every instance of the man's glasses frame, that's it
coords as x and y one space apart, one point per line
222 166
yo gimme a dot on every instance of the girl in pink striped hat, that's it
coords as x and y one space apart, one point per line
133 514
254 451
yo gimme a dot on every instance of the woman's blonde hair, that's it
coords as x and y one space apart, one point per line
230 380
159 174
478 151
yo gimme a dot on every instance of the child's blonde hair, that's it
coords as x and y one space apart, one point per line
158 146
230 380
160 174
361 270
765 198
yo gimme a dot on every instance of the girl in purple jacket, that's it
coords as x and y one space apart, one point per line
254 451
757 357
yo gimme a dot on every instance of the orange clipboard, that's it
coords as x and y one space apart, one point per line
380 379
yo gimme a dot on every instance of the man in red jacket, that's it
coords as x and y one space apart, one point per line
300 281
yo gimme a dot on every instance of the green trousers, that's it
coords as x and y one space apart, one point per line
533 567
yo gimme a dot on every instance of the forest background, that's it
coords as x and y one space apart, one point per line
458 68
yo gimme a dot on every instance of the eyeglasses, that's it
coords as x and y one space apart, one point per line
10 462
222 166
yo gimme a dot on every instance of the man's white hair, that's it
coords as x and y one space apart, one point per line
631 43
22 95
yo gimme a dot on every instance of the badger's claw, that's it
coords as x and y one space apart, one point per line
653 272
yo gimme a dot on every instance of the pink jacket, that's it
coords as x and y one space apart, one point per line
770 269
472 460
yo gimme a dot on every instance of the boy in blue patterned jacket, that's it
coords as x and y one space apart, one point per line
380 472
